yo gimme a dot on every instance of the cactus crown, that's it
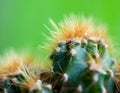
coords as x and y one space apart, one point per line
76 27
79 30
15 63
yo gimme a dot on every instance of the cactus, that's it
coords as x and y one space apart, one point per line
21 75
81 57
81 63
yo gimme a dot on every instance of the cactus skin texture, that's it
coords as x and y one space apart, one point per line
82 64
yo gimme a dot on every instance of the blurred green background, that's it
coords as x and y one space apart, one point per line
21 21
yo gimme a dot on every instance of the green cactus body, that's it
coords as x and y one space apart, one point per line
45 90
80 75
20 84
10 87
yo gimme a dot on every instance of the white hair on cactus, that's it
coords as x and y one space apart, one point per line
73 52
65 76
38 84
57 49
97 67
95 78
49 86
104 90
79 88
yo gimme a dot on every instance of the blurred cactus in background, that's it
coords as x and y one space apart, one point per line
81 63
21 74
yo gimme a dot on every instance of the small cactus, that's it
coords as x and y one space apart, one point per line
21 75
